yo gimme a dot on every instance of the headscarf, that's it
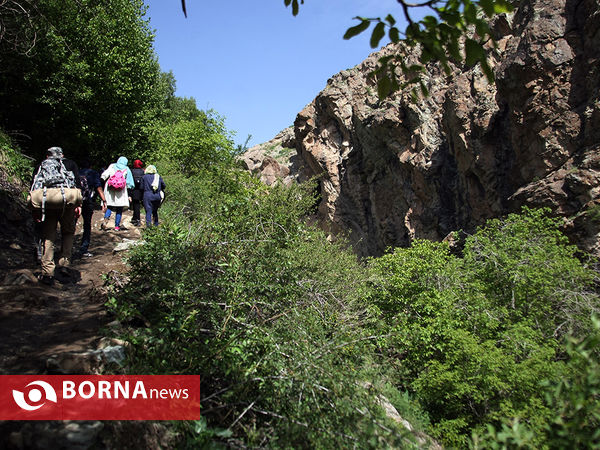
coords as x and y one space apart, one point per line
138 164
156 180
121 163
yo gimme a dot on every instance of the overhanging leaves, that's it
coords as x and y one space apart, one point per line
474 52
357 29
438 37
378 34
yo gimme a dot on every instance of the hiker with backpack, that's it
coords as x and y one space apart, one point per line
55 197
118 179
136 193
153 187
90 185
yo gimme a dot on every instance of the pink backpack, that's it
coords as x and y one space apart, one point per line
117 180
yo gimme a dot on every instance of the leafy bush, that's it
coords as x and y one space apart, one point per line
574 401
528 269
475 335
297 342
17 166
237 288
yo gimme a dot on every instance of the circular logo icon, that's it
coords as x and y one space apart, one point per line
34 396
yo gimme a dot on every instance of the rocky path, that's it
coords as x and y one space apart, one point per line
39 324
65 329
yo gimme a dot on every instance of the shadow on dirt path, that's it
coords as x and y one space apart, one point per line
60 329
38 322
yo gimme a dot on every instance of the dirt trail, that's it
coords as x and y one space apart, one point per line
58 330
39 321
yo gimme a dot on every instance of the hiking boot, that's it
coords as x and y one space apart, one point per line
67 275
117 228
63 275
87 255
46 279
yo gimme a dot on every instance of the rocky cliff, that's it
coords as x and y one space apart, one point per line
274 159
395 170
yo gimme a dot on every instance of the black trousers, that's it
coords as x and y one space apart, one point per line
87 210
136 211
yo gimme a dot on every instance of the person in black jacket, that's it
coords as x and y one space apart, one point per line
136 193
67 217
94 186
154 189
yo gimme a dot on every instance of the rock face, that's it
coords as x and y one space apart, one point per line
272 160
394 170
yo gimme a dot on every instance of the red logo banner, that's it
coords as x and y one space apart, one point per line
99 397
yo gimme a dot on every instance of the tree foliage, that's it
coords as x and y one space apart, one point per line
17 25
574 401
175 108
91 83
195 141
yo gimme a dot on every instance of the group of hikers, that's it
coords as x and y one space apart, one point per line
61 192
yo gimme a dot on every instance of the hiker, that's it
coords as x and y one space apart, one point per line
153 187
118 179
56 198
90 185
136 193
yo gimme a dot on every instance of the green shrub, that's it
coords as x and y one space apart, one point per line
475 335
529 271
574 401
296 341
18 167
237 288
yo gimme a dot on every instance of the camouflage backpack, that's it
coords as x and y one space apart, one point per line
53 174
53 187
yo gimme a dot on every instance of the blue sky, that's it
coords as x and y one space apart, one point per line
252 61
